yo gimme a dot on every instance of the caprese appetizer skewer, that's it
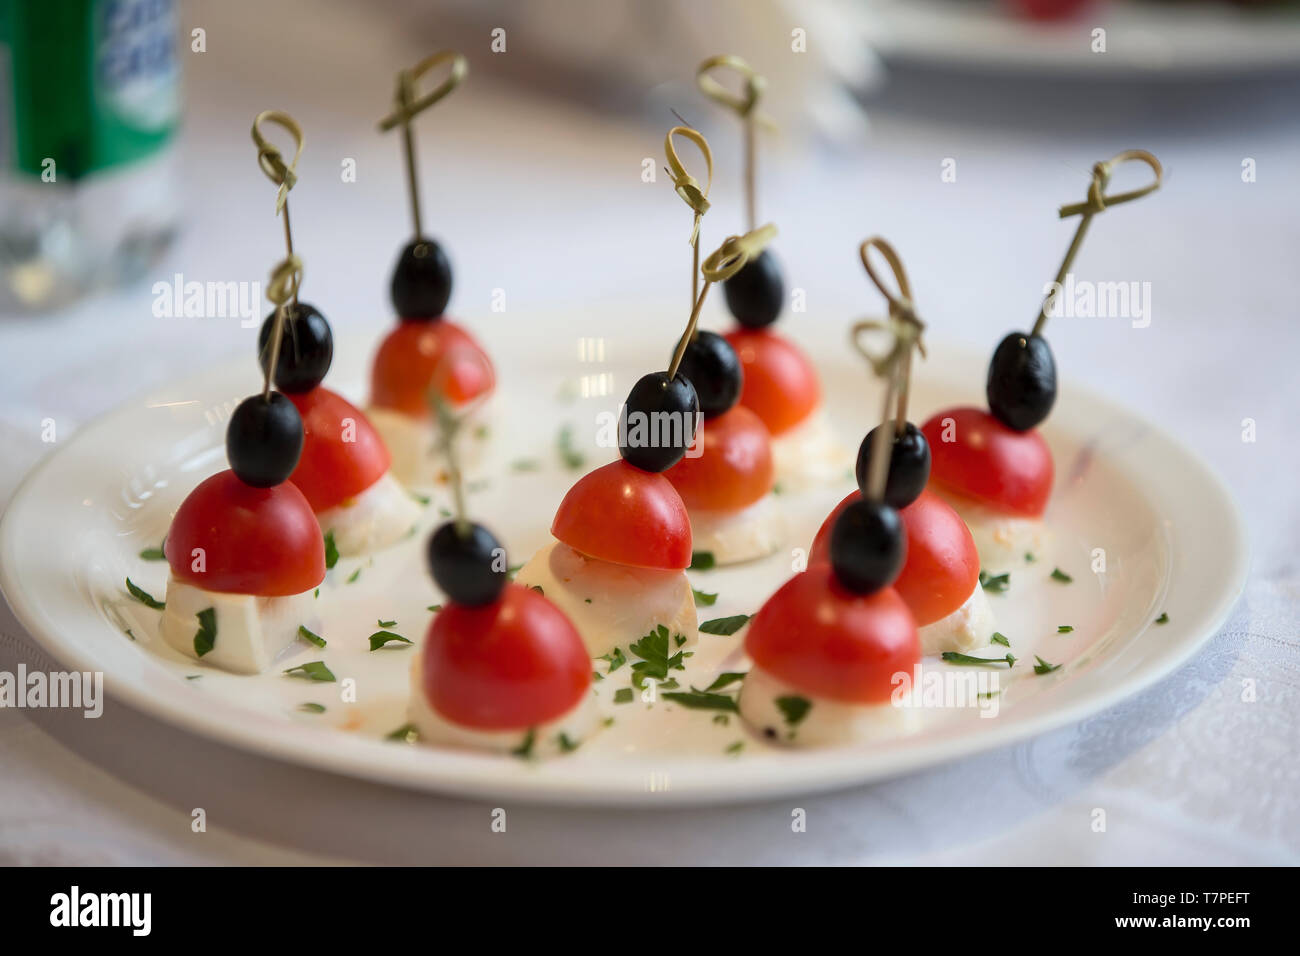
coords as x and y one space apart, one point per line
940 579
780 384
427 354
245 554
343 470
994 467
623 535
827 646
501 667
727 479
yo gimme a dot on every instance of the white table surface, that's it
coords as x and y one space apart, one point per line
1188 772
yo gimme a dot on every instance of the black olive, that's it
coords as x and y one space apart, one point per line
755 293
867 546
469 567
306 348
657 422
1022 381
264 440
713 367
421 285
909 465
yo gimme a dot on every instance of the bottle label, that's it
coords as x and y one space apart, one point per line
94 84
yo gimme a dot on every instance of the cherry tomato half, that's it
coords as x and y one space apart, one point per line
734 468
421 354
989 463
511 664
829 642
942 566
781 385
622 514
262 541
342 454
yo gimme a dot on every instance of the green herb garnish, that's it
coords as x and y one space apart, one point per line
725 625
154 554
615 659
331 550
1064 629
354 575
1029 557
952 657
206 637
1059 575
422 499
572 458
512 571
724 680
525 464
311 708
655 661
623 695
314 670
1042 667
702 701
144 597
722 719
566 745
702 560
1163 618
703 599
999 638
382 623
381 638
525 749
435 608
997 583
794 708
406 733
310 637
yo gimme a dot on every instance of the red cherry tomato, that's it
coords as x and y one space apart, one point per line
829 642
422 354
734 468
622 514
942 566
342 454
781 385
989 463
262 541
515 663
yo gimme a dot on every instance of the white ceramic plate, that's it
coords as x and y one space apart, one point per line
1142 38
1173 541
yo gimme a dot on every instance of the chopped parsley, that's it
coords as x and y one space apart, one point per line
206 637
354 575
482 432
310 637
793 708
703 599
525 750
312 708
572 458
381 638
1163 618
1064 629
722 719
701 701
623 695
383 623
1029 557
997 583
155 554
565 744
525 464
314 670
655 660
999 638
725 680
435 608
422 499
952 657
735 748
144 597
1059 575
597 675
406 733
615 659
725 625
1042 667
331 550
702 560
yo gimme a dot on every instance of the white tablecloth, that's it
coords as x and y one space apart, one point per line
1187 772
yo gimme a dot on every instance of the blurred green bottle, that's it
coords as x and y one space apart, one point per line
89 103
